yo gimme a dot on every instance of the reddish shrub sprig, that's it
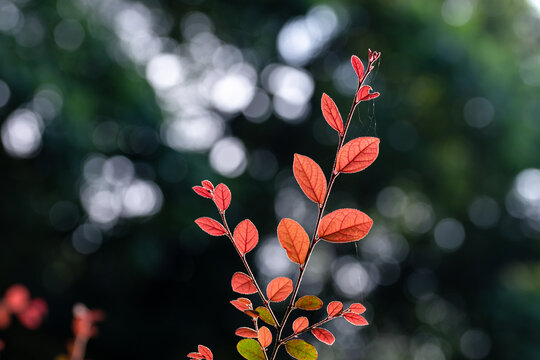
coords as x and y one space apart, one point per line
339 226
84 328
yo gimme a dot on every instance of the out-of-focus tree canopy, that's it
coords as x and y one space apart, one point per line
111 110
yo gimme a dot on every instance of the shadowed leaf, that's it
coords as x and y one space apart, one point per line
357 154
310 177
309 302
254 314
357 66
344 225
357 308
242 284
294 239
279 289
265 315
210 226
245 236
202 192
250 349
323 335
205 352
222 197
334 308
265 336
300 324
301 350
331 113
355 319
246 332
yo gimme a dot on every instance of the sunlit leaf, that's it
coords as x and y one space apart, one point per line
250 349
195 355
246 332
357 154
323 335
222 197
205 352
309 302
265 315
279 289
210 226
202 192
245 301
355 319
207 185
300 324
240 305
301 350
357 308
344 225
245 236
294 239
310 177
331 113
334 308
243 284
365 94
265 336
357 66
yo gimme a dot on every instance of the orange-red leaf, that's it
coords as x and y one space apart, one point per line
279 289
344 225
309 302
265 315
365 94
300 324
245 236
222 197
242 284
357 154
207 185
334 308
202 192
241 305
310 177
205 352
355 319
195 355
246 332
357 308
331 113
323 335
294 239
357 66
252 313
210 226
265 336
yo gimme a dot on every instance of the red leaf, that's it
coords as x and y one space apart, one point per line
344 225
310 177
246 301
357 154
222 197
334 308
309 302
202 192
300 324
365 94
205 352
323 335
357 308
246 332
331 113
245 236
294 239
357 66
240 305
254 314
242 283
207 185
355 319
279 289
195 355
211 226
265 337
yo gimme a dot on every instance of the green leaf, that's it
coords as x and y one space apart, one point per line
309 302
250 349
265 315
301 350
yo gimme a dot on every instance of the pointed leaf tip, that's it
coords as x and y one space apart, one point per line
294 239
334 308
205 193
207 185
205 352
310 177
331 113
250 349
222 197
245 236
211 226
323 335
344 225
301 350
357 154
355 319
243 284
300 324
265 336
309 302
357 66
279 289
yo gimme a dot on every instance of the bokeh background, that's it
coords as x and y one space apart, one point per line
112 109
